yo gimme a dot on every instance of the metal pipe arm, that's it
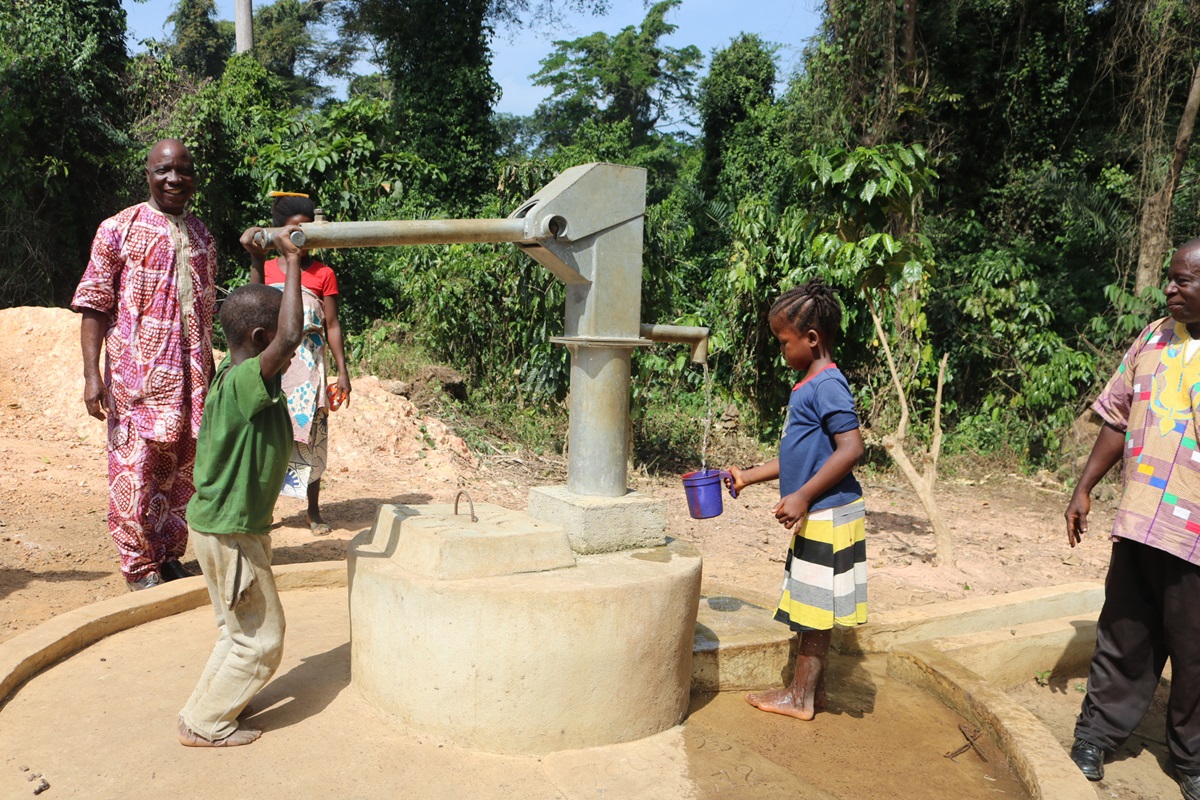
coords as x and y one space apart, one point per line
384 233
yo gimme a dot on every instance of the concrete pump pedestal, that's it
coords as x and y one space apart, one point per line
492 635
601 524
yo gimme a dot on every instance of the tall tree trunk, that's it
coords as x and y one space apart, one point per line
834 14
1154 230
243 21
910 39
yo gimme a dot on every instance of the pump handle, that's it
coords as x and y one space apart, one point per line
264 240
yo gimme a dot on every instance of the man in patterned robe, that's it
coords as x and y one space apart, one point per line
1150 409
148 295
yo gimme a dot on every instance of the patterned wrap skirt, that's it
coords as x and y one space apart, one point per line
825 579
308 459
304 385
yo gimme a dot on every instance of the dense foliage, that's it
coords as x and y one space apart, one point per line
974 171
63 131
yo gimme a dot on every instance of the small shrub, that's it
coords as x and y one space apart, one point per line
386 351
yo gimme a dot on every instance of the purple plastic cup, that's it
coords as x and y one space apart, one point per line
703 489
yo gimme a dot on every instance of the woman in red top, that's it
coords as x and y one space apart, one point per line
304 382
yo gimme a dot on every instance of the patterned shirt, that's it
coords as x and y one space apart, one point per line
155 276
1154 397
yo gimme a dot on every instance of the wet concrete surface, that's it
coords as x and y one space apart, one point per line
100 724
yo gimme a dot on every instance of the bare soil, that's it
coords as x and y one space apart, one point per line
55 553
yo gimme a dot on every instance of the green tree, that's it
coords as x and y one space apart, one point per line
376 85
631 76
864 219
736 102
1020 106
62 134
199 42
442 95
290 41
436 61
1156 44
248 140
740 79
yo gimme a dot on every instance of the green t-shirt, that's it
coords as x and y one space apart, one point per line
242 451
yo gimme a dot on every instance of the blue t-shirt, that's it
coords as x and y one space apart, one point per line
820 408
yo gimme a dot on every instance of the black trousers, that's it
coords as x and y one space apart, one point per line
1151 613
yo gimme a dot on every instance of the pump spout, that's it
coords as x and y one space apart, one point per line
686 334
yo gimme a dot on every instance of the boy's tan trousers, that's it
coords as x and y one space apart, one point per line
237 568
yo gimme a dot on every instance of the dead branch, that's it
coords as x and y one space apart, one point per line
922 482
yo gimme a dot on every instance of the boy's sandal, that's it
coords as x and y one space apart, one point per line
319 528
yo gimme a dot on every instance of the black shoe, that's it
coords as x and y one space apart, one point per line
145 582
173 570
1090 760
1190 786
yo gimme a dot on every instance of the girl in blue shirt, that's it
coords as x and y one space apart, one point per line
825 579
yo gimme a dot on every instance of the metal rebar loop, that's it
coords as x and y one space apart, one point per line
461 494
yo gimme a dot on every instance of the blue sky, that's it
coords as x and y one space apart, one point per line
708 24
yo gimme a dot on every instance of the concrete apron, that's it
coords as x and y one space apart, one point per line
101 721
68 717
967 652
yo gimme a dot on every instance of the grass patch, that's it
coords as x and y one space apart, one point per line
387 351
492 425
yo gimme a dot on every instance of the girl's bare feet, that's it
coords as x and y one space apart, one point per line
315 523
189 738
802 699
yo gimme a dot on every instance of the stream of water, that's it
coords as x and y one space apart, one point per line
707 418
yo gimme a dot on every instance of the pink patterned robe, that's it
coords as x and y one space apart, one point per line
155 277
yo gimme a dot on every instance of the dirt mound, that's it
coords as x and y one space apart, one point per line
41 397
381 424
41 386
55 552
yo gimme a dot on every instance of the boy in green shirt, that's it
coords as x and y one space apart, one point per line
242 452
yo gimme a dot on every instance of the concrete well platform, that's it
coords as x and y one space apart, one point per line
99 723
487 631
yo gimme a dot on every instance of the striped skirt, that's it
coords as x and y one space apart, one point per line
825 580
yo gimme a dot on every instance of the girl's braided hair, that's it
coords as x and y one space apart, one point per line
813 305
288 206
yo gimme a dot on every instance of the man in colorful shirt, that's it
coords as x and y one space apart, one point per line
1152 591
148 295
